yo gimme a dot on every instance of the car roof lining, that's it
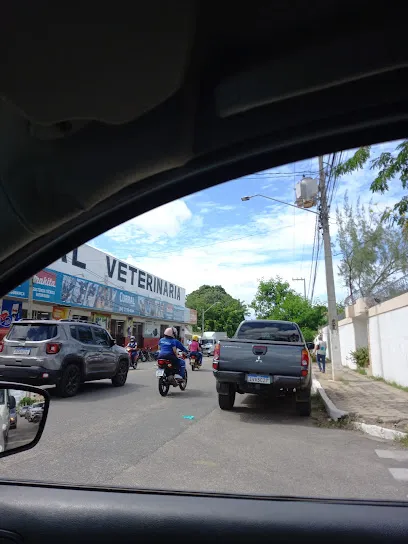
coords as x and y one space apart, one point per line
239 102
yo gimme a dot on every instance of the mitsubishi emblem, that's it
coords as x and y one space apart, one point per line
259 360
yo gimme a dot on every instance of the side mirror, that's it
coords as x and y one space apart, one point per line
113 342
310 345
20 434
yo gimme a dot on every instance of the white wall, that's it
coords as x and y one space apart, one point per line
347 342
389 345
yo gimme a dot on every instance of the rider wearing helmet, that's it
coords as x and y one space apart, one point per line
132 348
196 350
168 346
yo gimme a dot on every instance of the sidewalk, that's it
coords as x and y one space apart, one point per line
365 399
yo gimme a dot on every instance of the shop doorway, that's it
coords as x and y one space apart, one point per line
117 330
137 332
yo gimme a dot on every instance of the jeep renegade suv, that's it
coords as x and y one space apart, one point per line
65 353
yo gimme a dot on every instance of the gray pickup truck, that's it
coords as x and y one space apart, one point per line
264 357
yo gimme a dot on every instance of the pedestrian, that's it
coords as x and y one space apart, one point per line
320 352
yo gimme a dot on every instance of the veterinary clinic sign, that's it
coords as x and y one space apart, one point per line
94 265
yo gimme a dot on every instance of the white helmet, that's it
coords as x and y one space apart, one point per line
169 332
132 338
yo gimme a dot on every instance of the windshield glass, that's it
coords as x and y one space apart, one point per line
273 331
311 258
32 333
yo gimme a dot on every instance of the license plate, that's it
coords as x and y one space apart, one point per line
22 351
256 378
159 373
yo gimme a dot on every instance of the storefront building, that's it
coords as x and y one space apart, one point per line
90 285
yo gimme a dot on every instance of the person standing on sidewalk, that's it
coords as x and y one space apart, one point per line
320 352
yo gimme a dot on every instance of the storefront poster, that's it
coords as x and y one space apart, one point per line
151 330
59 312
101 319
11 310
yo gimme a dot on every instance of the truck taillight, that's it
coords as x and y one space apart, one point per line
52 348
215 365
1 346
304 362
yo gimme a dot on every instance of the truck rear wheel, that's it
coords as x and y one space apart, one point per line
226 402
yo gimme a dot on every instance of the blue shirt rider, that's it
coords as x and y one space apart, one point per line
168 346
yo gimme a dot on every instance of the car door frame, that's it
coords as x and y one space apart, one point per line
91 354
107 355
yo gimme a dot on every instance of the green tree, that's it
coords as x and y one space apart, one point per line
389 167
275 299
225 316
26 401
373 253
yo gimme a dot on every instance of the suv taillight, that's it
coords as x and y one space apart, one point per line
304 362
52 348
1 346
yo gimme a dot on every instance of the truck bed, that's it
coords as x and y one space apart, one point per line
265 357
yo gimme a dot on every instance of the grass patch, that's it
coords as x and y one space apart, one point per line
362 371
402 441
321 418
393 384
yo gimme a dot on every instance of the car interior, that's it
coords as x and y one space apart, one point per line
101 122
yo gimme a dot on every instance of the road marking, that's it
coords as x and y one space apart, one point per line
393 454
399 474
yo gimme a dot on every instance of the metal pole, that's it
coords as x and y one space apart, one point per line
328 259
30 299
304 284
202 324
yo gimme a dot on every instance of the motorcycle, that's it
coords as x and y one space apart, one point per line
134 356
194 363
167 377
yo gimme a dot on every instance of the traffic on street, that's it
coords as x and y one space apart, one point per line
132 437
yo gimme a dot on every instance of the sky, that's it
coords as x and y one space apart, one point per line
212 237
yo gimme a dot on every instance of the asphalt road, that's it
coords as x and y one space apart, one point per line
132 437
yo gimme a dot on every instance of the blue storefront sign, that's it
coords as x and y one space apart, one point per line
58 288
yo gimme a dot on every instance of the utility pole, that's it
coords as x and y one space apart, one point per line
30 299
304 284
334 339
203 314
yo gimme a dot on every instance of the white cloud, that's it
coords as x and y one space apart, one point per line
165 221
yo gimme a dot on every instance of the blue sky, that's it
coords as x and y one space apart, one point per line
213 237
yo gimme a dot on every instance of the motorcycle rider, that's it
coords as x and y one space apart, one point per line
168 346
132 345
196 350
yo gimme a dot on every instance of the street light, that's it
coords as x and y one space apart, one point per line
204 312
245 198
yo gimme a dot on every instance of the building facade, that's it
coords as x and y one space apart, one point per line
90 285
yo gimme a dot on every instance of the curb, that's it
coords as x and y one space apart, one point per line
332 410
336 414
379 432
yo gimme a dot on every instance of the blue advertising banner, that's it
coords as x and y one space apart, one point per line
11 310
58 288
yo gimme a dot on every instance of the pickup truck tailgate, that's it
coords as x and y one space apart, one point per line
261 357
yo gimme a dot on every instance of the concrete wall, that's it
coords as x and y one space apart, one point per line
384 329
388 334
347 341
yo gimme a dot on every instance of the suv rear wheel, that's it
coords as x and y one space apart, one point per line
119 379
70 381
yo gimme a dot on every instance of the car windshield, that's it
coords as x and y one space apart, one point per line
32 333
295 281
272 331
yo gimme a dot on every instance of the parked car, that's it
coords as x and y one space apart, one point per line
209 341
23 410
13 418
63 353
35 412
264 357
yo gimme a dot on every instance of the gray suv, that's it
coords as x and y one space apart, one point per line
65 353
